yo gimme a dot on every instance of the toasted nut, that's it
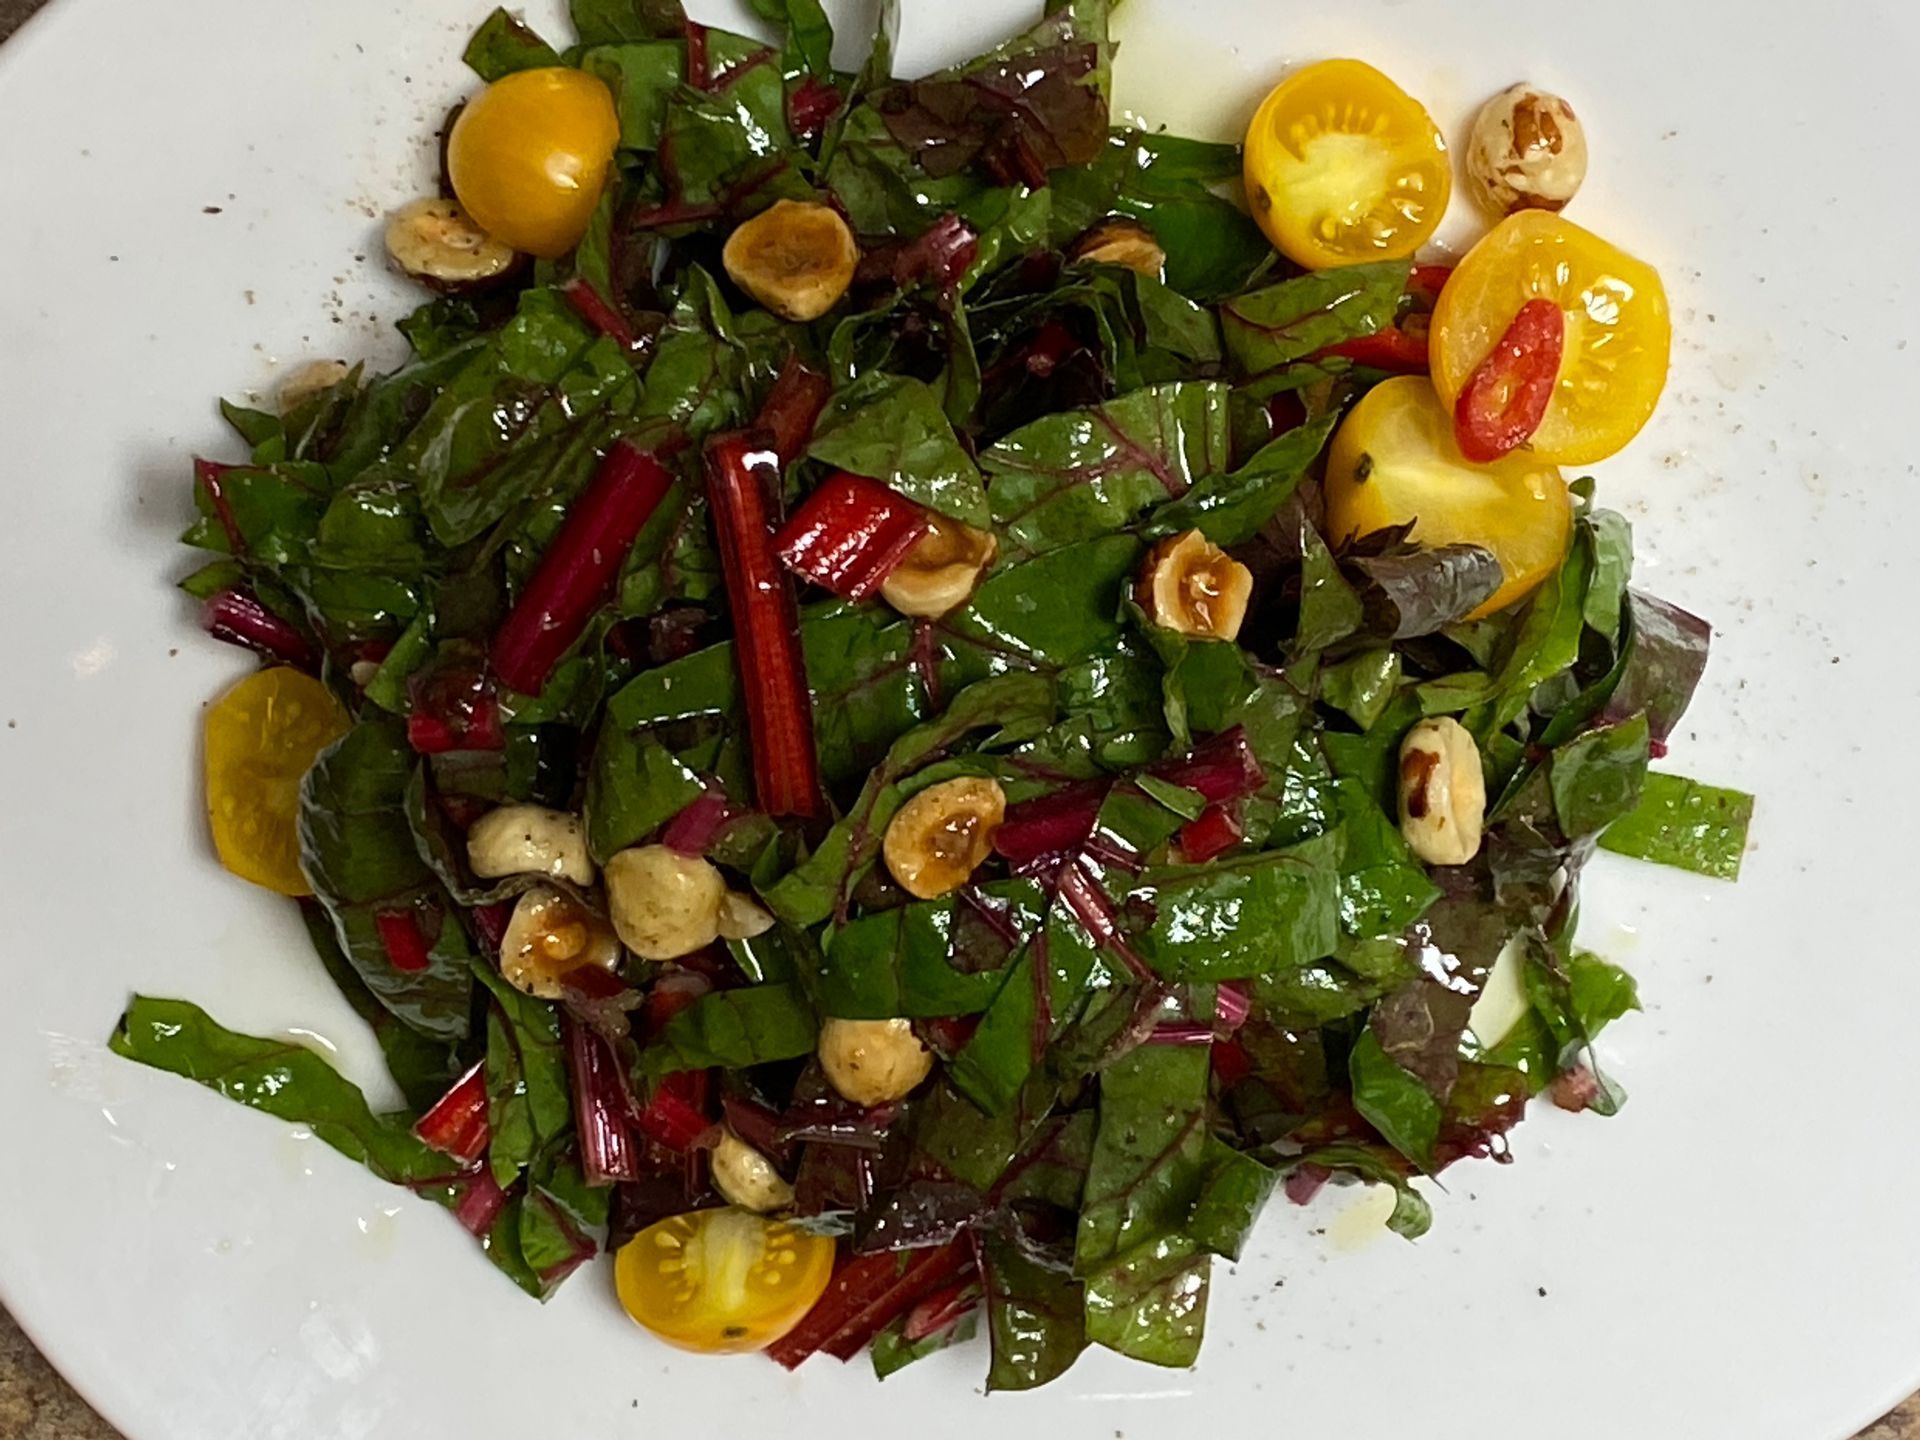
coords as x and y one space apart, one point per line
1528 151
1443 792
872 1062
937 838
746 1178
940 571
742 918
549 936
1126 243
664 904
304 382
529 840
433 241
795 257
1191 585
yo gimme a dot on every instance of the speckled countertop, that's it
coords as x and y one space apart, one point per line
36 1404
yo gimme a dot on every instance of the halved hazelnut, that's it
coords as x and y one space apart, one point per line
435 242
549 936
1126 243
938 838
1191 585
795 257
940 571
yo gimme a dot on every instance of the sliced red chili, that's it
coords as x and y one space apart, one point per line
1393 349
399 931
850 534
1505 400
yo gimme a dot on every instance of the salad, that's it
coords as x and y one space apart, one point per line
906 708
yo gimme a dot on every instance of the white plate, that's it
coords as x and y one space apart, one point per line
1735 1256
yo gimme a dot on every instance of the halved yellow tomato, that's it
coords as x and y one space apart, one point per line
721 1282
262 737
1395 461
529 155
1343 166
1618 334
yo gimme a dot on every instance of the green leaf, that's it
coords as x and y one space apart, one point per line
1361 685
1612 539
1187 804
911 960
1412 1217
1259 914
892 429
607 22
520 415
643 79
1231 1198
1393 1101
733 1029
1230 509
1149 1155
892 1352
809 32
423 1068
279 1077
1051 611
1685 824
358 852
1151 1302
504 44
529 1095
1598 777
1298 318
634 786
1086 473
1329 609
1036 1317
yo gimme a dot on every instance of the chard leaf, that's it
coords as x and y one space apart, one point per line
1598 777
1151 1302
733 1029
1149 1155
1685 824
503 44
281 1078
892 429
1298 318
1036 1317
1084 474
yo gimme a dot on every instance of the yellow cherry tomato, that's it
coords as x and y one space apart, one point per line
261 738
529 155
1395 461
721 1282
1343 166
1618 334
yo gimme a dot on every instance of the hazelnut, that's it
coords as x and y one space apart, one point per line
435 242
1126 243
664 904
935 840
1528 151
549 936
529 840
941 570
746 1178
303 382
873 1062
1190 585
1443 792
795 257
